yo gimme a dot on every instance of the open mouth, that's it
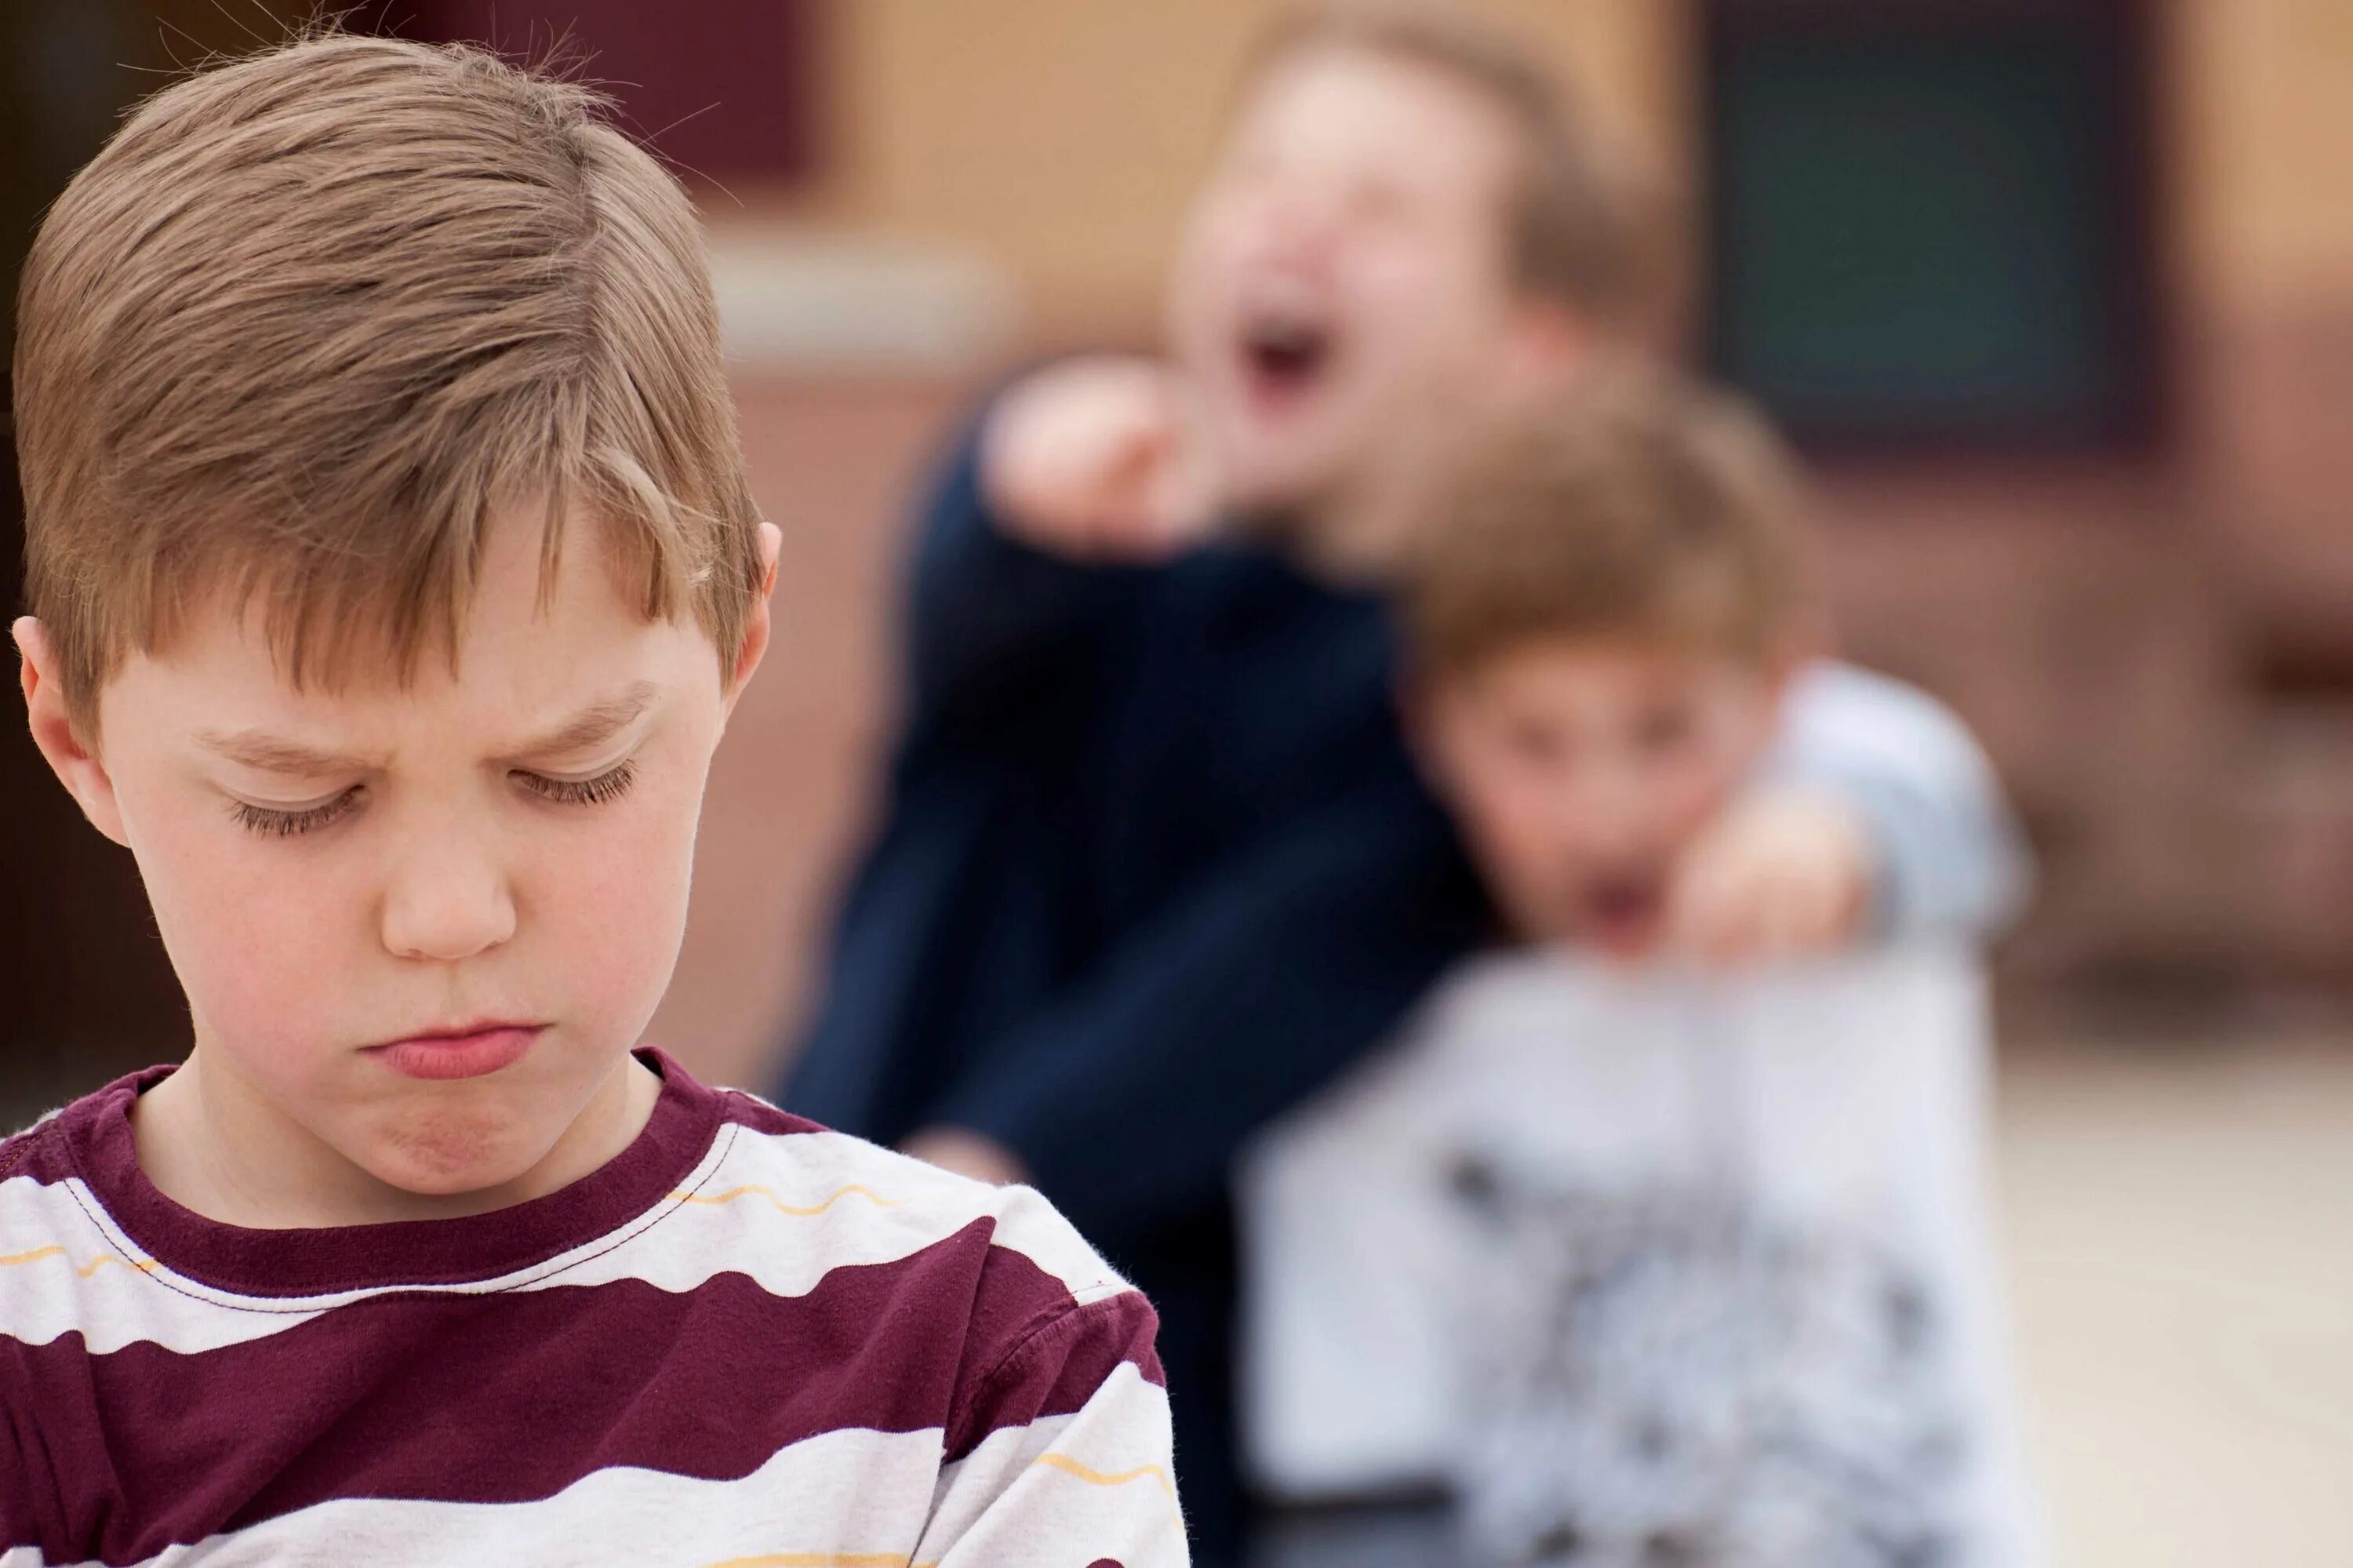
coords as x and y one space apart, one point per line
1285 357
1625 911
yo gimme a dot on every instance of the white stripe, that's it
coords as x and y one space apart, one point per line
1099 1480
66 1264
783 1209
838 1497
786 1209
849 1498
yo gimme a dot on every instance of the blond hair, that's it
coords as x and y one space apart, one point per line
1630 506
314 318
1571 224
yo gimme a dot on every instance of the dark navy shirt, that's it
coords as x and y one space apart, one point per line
1155 864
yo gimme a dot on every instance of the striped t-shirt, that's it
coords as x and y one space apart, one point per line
743 1340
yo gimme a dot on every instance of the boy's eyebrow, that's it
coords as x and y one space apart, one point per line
270 754
591 726
595 724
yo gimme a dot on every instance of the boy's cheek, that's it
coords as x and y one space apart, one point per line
261 954
1685 799
609 940
283 940
605 915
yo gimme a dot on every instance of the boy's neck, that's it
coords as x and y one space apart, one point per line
1340 546
211 1143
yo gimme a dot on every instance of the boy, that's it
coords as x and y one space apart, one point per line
393 574
1656 1265
1155 862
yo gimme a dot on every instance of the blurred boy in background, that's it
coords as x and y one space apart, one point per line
1647 1263
1154 862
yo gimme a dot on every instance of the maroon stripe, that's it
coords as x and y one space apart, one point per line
514 1396
44 1152
92 1138
1057 1367
96 1132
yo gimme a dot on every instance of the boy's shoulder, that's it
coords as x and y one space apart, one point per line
871 1197
1035 1321
998 1270
44 1153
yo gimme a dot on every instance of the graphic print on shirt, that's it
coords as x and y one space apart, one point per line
1666 1375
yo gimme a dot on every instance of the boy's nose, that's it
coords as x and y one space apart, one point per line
446 905
1296 226
1606 798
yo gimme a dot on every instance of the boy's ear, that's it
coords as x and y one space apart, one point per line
757 625
74 761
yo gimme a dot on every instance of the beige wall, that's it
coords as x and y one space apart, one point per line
2103 624
2263 150
2263 91
1062 137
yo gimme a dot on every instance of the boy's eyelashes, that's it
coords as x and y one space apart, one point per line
279 823
285 822
609 784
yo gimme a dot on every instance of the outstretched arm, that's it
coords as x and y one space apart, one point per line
992 620
1946 852
1127 1098
1003 645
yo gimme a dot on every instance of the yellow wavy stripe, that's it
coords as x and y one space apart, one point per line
1061 1462
868 1193
1070 1467
84 1269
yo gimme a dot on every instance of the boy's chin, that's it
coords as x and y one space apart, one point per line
1270 460
1262 489
1627 940
447 1157
1631 949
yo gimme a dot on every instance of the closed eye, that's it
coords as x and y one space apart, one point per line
278 822
609 784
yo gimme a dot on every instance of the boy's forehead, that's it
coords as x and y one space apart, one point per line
1347 98
1581 663
535 634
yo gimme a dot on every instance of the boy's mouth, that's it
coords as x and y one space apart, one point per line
1285 355
463 1050
1625 911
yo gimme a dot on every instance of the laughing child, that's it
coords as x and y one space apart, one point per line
393 574
1658 1260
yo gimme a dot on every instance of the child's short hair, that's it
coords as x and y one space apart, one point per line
310 317
1571 236
1629 505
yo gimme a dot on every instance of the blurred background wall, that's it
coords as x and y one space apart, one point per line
2141 592
2154 632
2150 623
